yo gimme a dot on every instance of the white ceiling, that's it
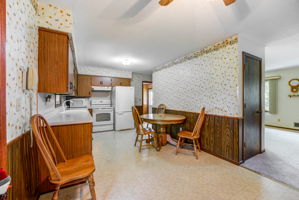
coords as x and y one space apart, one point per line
106 31
283 53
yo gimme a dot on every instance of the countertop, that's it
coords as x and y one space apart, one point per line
69 117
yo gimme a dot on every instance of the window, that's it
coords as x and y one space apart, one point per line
271 86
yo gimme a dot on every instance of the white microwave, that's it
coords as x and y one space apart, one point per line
79 103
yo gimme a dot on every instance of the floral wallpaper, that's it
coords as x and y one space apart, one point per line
50 16
137 84
100 71
21 53
206 78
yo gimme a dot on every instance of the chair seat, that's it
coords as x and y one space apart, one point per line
186 134
75 169
147 131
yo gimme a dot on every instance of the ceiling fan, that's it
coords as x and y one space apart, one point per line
167 2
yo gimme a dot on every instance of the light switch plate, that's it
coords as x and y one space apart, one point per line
18 104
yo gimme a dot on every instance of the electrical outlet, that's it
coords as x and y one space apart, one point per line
296 124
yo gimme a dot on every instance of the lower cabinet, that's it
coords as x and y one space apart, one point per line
75 140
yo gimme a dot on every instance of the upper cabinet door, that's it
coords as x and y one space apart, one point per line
84 85
121 82
53 58
101 81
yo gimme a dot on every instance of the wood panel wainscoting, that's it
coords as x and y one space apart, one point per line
27 169
23 168
220 135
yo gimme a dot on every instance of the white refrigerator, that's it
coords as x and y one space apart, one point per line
122 101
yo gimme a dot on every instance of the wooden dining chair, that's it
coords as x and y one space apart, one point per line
161 109
141 131
194 135
62 171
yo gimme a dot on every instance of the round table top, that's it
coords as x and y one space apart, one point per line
163 118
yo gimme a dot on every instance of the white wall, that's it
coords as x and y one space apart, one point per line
287 108
136 82
100 71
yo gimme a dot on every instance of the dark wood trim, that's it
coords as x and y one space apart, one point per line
221 157
284 128
149 82
3 145
244 54
207 114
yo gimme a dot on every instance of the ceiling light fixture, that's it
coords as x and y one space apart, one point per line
127 61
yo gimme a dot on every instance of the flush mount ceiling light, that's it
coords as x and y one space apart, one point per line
166 2
127 61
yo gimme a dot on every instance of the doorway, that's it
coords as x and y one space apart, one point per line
3 144
252 109
147 87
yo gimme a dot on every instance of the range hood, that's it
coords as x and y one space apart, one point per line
100 88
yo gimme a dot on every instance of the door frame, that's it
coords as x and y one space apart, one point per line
245 54
149 82
3 142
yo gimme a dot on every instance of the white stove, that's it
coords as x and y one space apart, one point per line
103 115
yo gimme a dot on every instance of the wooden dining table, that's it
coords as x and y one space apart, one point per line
163 120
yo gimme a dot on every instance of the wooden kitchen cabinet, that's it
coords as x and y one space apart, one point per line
101 81
84 85
121 82
53 61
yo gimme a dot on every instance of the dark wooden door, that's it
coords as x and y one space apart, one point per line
252 106
84 85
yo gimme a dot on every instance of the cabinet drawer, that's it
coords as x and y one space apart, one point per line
101 81
121 82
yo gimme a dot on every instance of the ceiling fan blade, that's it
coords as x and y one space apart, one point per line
165 2
228 2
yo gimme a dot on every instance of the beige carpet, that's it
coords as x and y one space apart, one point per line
281 159
122 173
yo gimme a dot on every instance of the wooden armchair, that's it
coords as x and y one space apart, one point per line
66 171
141 131
194 136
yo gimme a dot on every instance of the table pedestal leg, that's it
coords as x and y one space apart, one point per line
163 135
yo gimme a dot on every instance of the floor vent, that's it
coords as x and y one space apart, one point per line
296 124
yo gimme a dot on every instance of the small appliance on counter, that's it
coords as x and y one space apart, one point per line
102 114
79 103
123 100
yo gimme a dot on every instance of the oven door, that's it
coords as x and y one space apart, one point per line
102 117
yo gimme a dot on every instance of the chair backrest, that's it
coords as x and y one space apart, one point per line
137 120
161 109
47 145
199 123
